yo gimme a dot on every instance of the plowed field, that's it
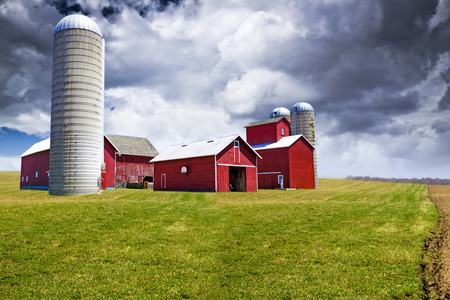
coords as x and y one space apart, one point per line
437 268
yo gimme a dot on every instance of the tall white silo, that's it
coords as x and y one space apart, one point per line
280 112
76 134
302 122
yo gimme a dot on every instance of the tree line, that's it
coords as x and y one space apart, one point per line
424 180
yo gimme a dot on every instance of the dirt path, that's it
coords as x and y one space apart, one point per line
437 257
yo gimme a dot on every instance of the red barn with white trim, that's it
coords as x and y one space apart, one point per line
287 161
35 166
216 165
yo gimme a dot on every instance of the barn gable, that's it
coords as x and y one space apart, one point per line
268 131
132 145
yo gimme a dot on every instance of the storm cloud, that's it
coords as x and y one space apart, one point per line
377 73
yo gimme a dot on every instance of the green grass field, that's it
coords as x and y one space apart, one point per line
347 240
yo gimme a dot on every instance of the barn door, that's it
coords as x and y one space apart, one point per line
163 181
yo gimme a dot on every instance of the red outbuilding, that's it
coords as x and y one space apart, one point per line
35 166
287 161
268 131
126 160
216 165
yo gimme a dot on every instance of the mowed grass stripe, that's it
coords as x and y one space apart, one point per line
347 240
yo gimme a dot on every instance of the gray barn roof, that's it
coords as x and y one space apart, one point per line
132 145
274 120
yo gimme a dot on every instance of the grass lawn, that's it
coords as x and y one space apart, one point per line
346 240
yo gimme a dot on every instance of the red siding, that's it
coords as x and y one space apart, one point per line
274 162
223 178
131 168
252 183
32 165
200 175
242 156
301 165
108 173
267 133
295 163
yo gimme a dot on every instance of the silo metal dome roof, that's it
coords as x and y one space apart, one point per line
302 106
78 22
280 111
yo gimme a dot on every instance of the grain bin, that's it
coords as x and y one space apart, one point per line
76 134
280 112
302 122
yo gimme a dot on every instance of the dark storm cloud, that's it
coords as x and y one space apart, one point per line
366 68
441 126
67 7
25 48
115 7
444 103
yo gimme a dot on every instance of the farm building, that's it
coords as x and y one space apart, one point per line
216 165
126 160
287 161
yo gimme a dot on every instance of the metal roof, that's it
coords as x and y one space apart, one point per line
132 145
38 147
274 120
123 144
280 111
78 22
302 106
285 142
198 149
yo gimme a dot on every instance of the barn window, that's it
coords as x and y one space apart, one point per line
282 131
37 173
27 178
236 144
22 179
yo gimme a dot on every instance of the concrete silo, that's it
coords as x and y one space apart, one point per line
302 122
76 134
280 112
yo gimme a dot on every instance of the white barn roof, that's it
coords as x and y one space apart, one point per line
282 143
38 147
197 149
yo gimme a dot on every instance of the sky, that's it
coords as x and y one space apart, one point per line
377 73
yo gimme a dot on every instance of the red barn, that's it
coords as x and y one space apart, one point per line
126 160
35 166
269 131
287 161
217 165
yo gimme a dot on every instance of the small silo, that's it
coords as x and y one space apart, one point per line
280 112
76 134
302 122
